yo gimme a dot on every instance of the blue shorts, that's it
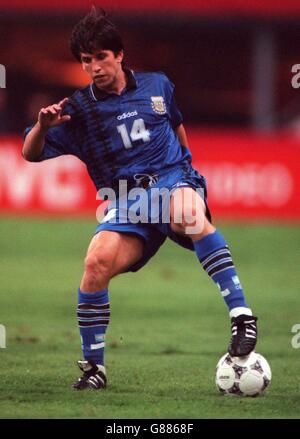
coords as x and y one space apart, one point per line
155 233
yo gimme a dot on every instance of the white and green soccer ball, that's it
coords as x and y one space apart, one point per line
243 376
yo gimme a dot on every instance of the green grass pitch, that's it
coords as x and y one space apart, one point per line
169 326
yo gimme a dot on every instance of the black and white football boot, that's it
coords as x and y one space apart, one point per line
94 376
243 335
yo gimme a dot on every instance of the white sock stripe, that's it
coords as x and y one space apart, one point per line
213 255
223 269
215 264
92 319
93 304
224 255
91 311
93 326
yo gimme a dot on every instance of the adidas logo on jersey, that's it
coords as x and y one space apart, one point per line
129 114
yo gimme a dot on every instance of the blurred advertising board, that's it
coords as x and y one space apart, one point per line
249 177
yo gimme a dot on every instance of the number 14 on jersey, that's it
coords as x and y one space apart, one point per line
138 132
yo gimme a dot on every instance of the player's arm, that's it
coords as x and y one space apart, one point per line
181 134
47 118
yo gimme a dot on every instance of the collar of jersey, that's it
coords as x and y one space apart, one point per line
99 95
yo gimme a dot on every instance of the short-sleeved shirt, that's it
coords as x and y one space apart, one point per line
118 136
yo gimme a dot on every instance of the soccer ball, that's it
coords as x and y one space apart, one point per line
243 376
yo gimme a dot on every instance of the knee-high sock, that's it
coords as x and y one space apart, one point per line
215 257
93 314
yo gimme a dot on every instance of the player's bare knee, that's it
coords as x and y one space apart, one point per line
196 232
190 222
207 227
97 267
187 212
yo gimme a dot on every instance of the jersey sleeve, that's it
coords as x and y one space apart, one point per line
59 140
173 110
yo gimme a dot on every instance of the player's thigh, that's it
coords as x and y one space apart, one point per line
186 205
118 250
188 214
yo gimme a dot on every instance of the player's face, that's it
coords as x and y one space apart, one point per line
103 67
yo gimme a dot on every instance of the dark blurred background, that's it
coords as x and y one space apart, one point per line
230 69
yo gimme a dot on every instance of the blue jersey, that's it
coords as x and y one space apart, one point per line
118 136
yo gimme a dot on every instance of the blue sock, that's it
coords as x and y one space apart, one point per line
93 314
215 257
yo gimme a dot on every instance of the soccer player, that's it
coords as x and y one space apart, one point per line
126 126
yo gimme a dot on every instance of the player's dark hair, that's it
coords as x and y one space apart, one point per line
95 32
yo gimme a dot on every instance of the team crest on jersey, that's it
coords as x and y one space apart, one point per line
158 104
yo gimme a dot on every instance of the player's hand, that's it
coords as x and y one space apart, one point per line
51 116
